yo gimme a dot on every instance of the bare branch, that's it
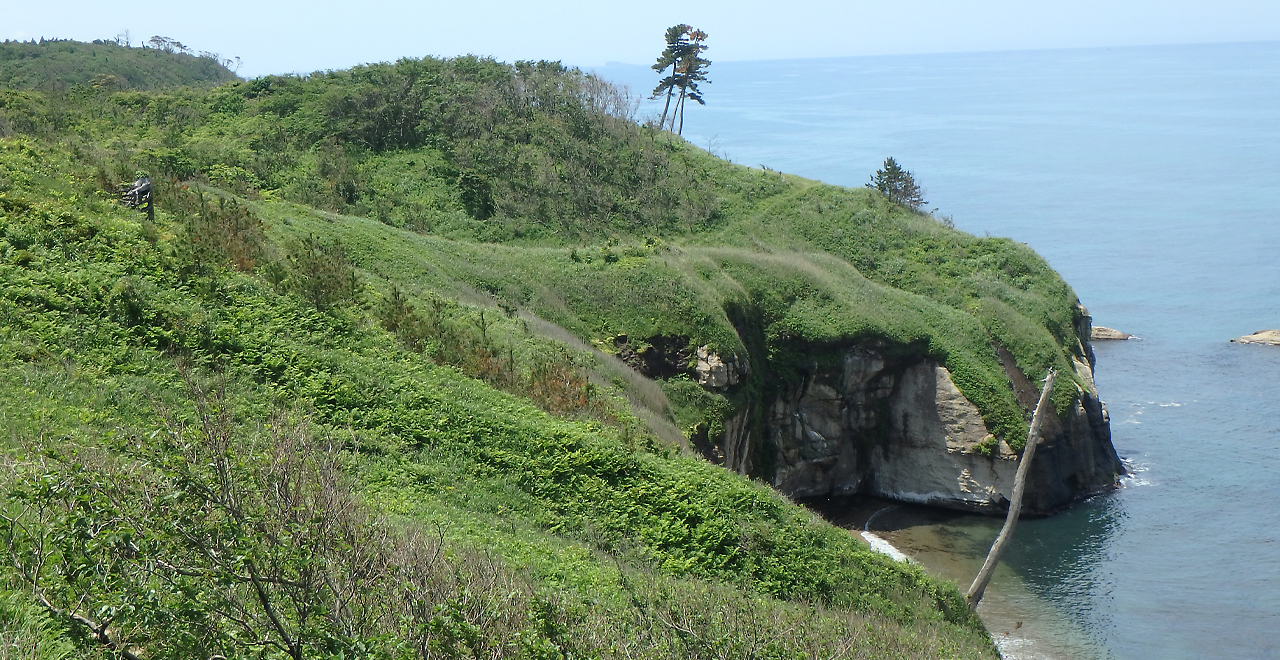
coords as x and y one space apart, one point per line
1015 503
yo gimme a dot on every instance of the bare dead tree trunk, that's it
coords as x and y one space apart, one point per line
1015 503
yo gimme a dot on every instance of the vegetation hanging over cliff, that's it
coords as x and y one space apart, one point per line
382 287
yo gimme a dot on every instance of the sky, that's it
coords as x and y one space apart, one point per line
300 37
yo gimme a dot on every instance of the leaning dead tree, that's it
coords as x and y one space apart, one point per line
1015 503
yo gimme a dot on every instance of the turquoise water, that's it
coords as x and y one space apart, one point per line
1150 178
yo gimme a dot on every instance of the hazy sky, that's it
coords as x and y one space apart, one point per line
294 36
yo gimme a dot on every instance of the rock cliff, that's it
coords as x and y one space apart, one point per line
899 428
889 421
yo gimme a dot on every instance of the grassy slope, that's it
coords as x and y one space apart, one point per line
532 155
94 314
524 186
58 64
961 293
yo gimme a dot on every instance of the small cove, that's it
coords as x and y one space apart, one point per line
1150 179
952 545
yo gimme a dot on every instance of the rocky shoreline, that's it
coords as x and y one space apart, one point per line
1100 333
1264 337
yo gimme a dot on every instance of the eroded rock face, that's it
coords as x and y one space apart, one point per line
901 429
1268 337
714 372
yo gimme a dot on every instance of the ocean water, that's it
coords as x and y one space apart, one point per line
1150 178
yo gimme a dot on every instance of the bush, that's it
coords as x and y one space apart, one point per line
898 185
266 529
220 230
547 372
322 273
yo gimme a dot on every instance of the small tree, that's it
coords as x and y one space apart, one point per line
691 70
898 185
322 273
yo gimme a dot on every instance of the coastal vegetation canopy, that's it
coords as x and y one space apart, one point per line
354 391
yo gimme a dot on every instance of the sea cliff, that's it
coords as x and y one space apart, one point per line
396 284
899 428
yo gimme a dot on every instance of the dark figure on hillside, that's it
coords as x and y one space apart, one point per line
140 196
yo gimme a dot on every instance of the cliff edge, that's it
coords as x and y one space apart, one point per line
894 425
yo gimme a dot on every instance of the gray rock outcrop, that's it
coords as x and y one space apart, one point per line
1101 333
899 428
905 432
714 372
882 421
1267 337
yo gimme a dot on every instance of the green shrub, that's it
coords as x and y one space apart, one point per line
220 231
322 273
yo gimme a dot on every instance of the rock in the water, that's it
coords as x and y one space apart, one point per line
1101 333
1268 337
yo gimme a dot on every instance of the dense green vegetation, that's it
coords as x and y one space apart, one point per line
55 65
534 155
349 395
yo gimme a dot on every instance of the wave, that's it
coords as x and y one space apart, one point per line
884 547
878 544
1134 472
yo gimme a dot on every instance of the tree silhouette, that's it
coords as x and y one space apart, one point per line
692 70
676 40
898 185
688 68
168 45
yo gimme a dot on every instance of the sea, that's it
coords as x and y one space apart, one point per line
1149 177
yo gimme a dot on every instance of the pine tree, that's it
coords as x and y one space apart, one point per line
670 57
692 70
898 185
684 55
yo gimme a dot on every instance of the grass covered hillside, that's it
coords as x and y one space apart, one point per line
59 65
354 393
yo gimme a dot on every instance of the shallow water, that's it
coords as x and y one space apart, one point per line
1150 178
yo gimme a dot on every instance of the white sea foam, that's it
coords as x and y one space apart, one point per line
1017 648
884 547
1134 472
